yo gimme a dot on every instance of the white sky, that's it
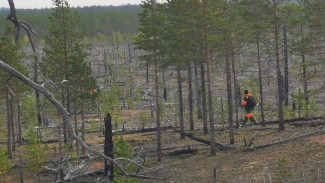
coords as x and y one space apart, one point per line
30 4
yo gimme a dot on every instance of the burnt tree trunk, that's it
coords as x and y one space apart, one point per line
198 93
180 102
108 147
164 84
190 96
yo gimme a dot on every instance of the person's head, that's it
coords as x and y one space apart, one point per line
246 91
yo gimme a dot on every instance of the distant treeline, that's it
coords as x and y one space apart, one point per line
95 19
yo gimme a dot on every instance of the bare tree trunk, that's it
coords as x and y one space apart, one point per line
61 156
304 77
235 85
20 141
286 66
65 136
260 82
164 84
21 173
147 73
75 119
37 97
229 93
108 147
280 94
204 107
9 145
180 102
157 109
190 97
211 122
129 50
83 151
222 113
12 124
198 93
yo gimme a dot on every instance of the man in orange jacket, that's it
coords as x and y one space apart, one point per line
249 103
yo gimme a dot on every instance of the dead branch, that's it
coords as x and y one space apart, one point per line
289 139
20 24
250 143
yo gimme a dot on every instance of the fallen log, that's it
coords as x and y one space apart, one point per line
188 150
145 130
287 140
310 124
296 120
220 146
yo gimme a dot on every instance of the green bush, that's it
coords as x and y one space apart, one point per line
35 151
123 149
5 165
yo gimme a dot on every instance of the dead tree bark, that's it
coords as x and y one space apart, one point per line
108 147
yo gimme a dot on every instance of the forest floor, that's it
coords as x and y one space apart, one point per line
301 160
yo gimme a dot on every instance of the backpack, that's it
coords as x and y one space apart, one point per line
252 101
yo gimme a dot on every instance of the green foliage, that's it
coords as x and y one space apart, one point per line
117 19
123 149
28 110
35 152
5 165
1 119
288 112
143 116
284 170
110 100
9 53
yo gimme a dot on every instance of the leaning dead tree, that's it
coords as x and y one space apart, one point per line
61 109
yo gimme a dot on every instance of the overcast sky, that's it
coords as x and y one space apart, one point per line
30 4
